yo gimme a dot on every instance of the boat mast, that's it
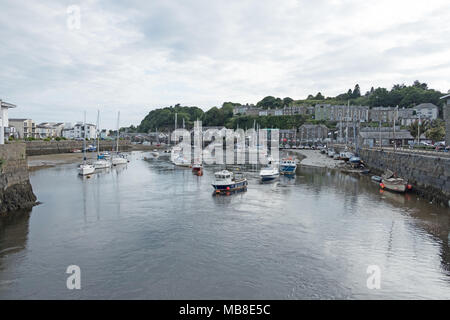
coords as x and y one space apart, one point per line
84 139
117 138
98 139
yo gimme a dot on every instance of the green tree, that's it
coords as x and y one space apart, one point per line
356 92
413 128
319 96
287 101
270 102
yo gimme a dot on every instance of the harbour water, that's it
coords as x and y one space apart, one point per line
152 231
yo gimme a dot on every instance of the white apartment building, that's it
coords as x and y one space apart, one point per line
77 131
49 129
5 129
427 111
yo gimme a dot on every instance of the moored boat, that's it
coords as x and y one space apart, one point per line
393 183
226 181
269 173
376 178
197 168
102 164
355 160
288 166
86 169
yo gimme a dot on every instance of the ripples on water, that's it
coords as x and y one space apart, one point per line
150 230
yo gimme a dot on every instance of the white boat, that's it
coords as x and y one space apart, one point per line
118 158
269 173
345 155
102 164
85 169
393 183
102 161
155 153
181 162
226 181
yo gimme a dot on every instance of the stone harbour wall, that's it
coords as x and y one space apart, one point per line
16 192
37 148
429 174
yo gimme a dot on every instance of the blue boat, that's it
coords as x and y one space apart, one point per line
288 166
225 182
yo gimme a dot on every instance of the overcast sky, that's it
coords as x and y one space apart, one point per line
135 56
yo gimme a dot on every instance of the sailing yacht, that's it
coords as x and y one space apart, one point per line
101 162
118 158
85 169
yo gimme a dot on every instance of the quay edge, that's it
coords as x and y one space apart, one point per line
16 192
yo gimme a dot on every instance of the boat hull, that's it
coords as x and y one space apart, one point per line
85 170
235 186
269 177
287 169
396 187
118 161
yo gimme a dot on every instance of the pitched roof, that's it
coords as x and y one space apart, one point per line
446 96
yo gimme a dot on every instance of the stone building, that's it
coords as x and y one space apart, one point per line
312 132
447 118
427 111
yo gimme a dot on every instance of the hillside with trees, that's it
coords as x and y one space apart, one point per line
400 94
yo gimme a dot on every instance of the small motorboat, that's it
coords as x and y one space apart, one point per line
391 182
288 166
181 162
331 153
155 153
226 181
269 173
355 160
197 168
345 155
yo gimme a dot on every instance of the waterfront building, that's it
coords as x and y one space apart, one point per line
25 128
77 131
288 137
5 130
330 112
322 111
49 130
370 137
427 111
312 133
446 99
383 114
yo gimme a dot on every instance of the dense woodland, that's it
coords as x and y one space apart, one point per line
400 94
